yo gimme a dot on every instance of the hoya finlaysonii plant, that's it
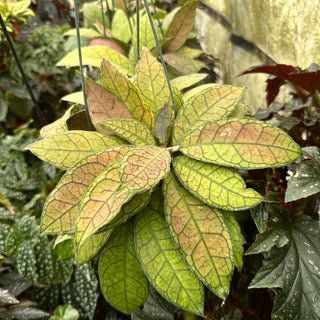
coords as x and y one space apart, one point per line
155 191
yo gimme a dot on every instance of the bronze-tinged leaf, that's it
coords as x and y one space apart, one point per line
180 26
241 143
120 85
66 149
162 123
61 208
78 121
103 105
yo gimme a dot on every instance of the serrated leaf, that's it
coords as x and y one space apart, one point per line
208 103
66 149
295 269
163 263
93 55
135 132
306 180
180 26
122 280
202 235
217 186
60 125
152 83
141 168
26 262
120 85
240 143
184 82
120 26
103 104
162 123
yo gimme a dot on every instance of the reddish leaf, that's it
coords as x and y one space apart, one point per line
309 81
273 86
279 70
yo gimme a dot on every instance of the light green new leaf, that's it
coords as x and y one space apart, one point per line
131 130
60 210
241 143
122 280
120 26
93 55
217 186
202 235
75 97
120 85
84 32
66 149
163 263
180 26
184 82
208 103
152 83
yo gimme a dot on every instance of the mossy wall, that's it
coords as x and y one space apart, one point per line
245 33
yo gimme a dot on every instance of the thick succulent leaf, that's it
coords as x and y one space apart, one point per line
184 82
180 26
131 130
146 38
217 186
208 104
120 26
122 280
93 55
99 205
202 235
163 263
61 207
60 125
306 180
75 97
295 269
92 245
26 262
81 291
142 168
103 104
162 123
241 143
120 85
152 83
66 149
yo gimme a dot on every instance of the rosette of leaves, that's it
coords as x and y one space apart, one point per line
153 192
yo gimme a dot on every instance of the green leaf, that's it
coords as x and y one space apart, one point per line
208 103
66 149
162 123
120 26
26 262
217 186
66 312
240 143
135 132
120 85
295 269
75 97
84 32
184 82
5 230
62 270
202 235
122 280
180 26
93 55
306 180
163 263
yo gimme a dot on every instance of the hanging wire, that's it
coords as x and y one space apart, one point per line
103 22
80 63
128 15
24 77
156 13
161 55
109 13
138 29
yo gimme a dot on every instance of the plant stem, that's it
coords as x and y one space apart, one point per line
80 63
138 29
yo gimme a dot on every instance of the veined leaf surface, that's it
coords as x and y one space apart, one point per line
162 123
93 55
120 26
66 149
61 208
184 82
217 186
103 104
209 104
119 84
122 280
131 130
143 167
101 203
152 83
163 263
241 143
203 236
180 26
